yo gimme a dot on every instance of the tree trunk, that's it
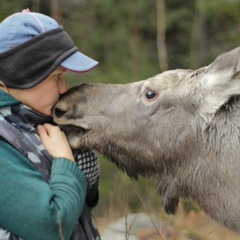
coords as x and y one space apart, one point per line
133 39
199 40
161 35
55 11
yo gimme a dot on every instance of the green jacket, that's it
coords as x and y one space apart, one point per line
31 208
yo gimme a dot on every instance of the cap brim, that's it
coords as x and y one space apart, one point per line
78 62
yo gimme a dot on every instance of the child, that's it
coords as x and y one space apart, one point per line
47 190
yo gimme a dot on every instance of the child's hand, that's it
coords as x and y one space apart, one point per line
55 141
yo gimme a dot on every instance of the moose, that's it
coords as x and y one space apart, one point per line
180 128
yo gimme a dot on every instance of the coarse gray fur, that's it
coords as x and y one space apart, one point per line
180 127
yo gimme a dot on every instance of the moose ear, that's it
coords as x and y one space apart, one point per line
221 82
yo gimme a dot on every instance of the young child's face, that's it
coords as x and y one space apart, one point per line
43 96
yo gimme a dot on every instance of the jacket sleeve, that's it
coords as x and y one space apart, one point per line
33 209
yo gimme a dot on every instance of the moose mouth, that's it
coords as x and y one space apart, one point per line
73 130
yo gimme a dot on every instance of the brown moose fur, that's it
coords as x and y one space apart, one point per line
180 127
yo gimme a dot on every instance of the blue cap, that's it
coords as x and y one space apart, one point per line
23 26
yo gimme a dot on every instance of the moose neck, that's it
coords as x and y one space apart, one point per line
216 194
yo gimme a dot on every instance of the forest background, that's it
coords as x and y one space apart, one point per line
134 40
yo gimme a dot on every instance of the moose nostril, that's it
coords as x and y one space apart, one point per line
59 112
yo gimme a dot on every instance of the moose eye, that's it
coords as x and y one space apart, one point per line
150 95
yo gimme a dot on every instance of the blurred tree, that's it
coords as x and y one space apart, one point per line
199 37
161 35
54 10
215 30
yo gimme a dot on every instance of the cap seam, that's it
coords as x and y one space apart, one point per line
39 22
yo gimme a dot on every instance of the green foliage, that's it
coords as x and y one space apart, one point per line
188 206
121 194
121 35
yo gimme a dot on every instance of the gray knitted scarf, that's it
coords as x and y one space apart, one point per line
18 127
